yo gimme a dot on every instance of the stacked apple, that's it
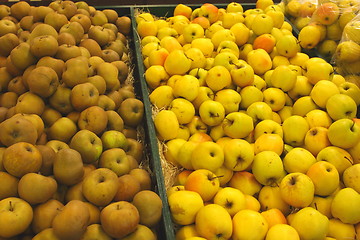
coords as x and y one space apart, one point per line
70 151
265 138
325 28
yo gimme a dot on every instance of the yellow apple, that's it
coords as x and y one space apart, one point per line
337 156
166 124
283 77
245 182
249 224
207 222
232 199
297 189
238 154
316 139
292 137
316 227
267 126
282 232
345 206
270 198
183 109
259 60
340 230
204 182
298 160
207 155
249 95
184 205
238 125
350 175
303 105
344 133
318 118
323 205
325 177
212 112
341 106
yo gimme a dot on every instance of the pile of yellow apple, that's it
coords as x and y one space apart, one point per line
265 137
69 118
325 28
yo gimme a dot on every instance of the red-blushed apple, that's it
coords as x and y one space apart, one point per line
119 219
204 182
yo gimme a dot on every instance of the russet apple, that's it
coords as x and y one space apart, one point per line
68 167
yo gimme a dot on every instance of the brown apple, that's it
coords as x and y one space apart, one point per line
2 61
8 99
131 111
111 15
45 45
35 120
57 145
4 11
94 213
22 57
68 167
116 160
5 78
63 129
46 234
57 65
22 158
123 69
110 55
92 46
66 52
98 18
17 86
84 95
48 155
26 74
8 185
94 119
66 38
124 25
49 116
113 28
73 116
106 102
133 162
115 122
14 130
7 26
100 186
75 28
128 187
39 13
20 10
30 103
88 144
149 205
24 36
99 34
116 97
56 20
141 232
11 68
72 221
95 231
60 100
82 5
43 81
3 112
44 214
83 19
76 71
74 192
143 177
130 132
83 11
8 42
10 112
36 188
67 7
113 217
99 82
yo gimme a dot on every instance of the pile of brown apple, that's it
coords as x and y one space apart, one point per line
69 118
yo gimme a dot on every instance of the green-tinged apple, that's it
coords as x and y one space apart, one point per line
274 97
173 146
283 77
204 182
212 112
268 168
298 160
239 154
291 137
238 125
317 227
345 206
352 90
268 126
207 155
249 95
297 189
341 106
116 160
316 139
350 175
337 156
287 46
344 133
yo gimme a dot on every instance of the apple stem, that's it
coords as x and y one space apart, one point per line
11 206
